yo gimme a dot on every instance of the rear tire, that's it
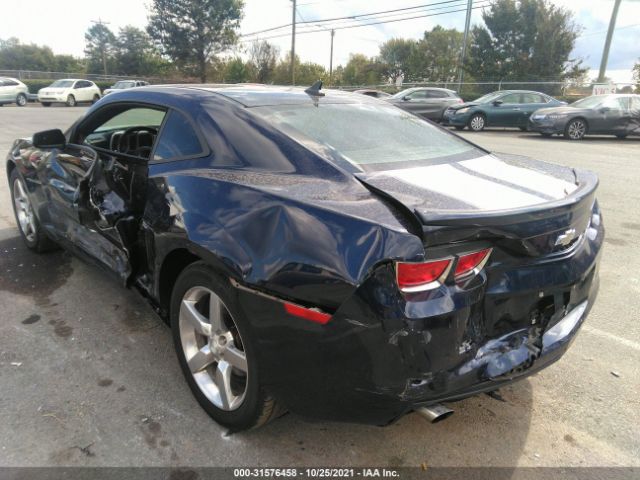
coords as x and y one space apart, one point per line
71 101
21 100
459 127
28 224
523 129
576 129
46 104
477 122
218 349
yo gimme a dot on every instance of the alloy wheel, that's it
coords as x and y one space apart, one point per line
21 100
477 123
213 348
576 129
24 211
71 101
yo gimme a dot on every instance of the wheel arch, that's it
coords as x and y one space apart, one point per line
580 117
173 264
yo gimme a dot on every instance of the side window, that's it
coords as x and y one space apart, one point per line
419 95
511 98
532 98
436 94
614 103
124 129
10 83
178 139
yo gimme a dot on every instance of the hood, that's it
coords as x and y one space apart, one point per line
565 109
485 184
463 105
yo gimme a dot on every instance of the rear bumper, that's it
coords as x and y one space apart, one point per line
384 353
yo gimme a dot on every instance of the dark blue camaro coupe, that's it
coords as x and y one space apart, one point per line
323 253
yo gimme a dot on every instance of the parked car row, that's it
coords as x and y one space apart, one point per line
614 114
69 91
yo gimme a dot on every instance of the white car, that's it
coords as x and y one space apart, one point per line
124 84
69 91
13 90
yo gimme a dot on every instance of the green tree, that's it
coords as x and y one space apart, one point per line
134 55
306 73
192 32
395 54
636 75
236 71
361 70
436 56
524 40
100 49
263 60
18 56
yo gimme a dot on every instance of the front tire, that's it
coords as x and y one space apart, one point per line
575 129
523 129
21 100
459 127
46 104
71 101
28 223
621 136
477 122
216 350
546 135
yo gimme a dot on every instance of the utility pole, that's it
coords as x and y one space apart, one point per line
333 32
465 37
103 47
607 43
293 45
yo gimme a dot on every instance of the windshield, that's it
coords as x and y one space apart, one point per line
61 84
124 84
589 102
366 134
488 97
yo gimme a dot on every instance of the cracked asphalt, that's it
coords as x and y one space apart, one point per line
88 375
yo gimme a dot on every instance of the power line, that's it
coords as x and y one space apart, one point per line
357 25
356 16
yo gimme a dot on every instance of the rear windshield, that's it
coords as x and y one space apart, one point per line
366 134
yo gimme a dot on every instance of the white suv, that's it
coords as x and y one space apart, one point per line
69 91
13 90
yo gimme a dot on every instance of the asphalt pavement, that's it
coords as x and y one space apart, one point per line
88 375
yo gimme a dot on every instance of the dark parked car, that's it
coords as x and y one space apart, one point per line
427 102
506 108
614 114
323 253
373 93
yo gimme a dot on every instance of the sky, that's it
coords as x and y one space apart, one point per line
64 36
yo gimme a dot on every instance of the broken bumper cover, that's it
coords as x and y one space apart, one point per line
384 353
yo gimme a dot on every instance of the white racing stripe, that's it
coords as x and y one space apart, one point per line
524 177
465 187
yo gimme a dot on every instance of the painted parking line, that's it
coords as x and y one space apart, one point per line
610 336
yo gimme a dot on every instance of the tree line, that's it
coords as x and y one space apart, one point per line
519 40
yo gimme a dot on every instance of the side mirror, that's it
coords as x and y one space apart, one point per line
605 109
406 98
49 139
497 103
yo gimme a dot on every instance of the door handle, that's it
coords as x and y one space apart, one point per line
517 109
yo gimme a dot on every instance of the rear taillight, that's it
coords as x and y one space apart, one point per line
471 263
415 277
418 277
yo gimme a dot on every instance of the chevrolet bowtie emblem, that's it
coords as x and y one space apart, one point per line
566 238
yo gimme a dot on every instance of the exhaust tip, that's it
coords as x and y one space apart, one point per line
435 413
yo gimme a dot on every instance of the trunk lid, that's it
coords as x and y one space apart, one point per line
525 206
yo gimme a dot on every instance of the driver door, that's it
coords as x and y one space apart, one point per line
108 200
